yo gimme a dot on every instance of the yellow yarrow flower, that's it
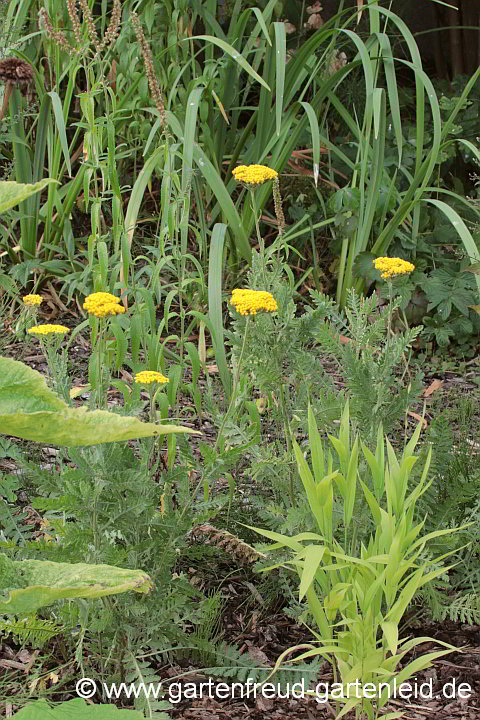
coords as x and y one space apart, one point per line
150 376
249 302
254 174
32 300
389 267
48 330
102 304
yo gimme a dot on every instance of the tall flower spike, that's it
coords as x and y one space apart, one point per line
148 62
57 36
277 201
113 28
77 28
87 16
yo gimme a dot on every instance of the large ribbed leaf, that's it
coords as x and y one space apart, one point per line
31 584
30 410
13 193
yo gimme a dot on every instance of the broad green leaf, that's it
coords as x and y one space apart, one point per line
76 709
13 193
44 582
313 557
30 410
390 632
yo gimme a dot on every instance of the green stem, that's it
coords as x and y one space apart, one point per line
236 378
286 425
261 244
389 320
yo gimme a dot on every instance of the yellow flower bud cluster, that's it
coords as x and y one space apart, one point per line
254 174
150 376
32 300
389 267
102 304
48 330
249 302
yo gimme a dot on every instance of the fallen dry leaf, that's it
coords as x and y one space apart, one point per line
419 418
434 385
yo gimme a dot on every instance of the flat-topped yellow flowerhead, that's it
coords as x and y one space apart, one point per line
145 377
254 174
32 300
102 304
48 330
249 302
389 267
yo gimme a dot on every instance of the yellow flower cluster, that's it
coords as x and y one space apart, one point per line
48 330
389 267
32 300
102 304
249 302
254 174
150 376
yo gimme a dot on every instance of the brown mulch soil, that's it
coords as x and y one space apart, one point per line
267 639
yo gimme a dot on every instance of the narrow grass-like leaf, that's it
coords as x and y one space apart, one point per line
280 64
262 24
234 54
469 243
138 191
60 122
314 129
215 311
225 201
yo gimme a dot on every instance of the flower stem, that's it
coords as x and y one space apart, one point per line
261 243
236 378
286 425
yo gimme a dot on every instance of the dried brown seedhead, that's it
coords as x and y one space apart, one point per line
16 71
81 44
150 70
240 550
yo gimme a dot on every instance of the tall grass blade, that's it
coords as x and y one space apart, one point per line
469 243
215 272
281 62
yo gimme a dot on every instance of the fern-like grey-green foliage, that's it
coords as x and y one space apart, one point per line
278 356
463 609
452 500
232 664
371 362
285 355
142 672
32 630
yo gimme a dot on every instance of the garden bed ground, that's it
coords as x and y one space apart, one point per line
266 637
